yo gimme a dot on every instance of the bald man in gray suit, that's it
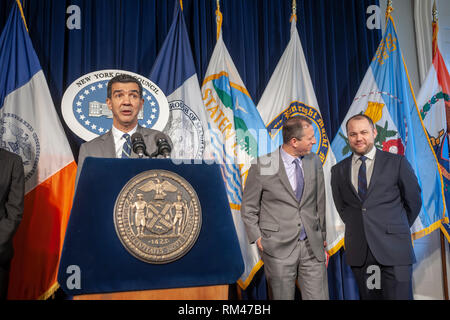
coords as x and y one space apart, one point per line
124 99
283 210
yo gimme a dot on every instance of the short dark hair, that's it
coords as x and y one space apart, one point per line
360 116
122 78
293 127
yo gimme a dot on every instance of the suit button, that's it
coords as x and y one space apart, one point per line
364 210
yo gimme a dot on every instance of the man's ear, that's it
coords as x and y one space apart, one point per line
109 103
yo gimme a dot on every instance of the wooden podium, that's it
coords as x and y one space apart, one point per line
195 293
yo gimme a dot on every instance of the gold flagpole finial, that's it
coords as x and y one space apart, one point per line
435 13
389 8
219 19
294 11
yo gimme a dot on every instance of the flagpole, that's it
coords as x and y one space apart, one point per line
21 13
435 30
389 9
443 254
294 11
219 19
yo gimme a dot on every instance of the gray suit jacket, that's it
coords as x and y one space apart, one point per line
103 146
271 211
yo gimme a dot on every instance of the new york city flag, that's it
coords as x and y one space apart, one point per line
30 127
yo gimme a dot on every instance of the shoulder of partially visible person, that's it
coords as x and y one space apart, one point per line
9 155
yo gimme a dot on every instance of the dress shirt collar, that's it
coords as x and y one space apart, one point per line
287 158
117 134
370 155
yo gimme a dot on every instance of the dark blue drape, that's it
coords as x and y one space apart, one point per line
127 35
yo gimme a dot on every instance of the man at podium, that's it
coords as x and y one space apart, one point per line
124 99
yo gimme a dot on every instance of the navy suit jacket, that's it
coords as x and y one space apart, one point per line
382 221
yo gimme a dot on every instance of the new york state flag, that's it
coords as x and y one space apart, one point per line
238 136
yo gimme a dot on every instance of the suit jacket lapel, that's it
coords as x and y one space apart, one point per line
108 148
284 178
377 170
348 175
308 172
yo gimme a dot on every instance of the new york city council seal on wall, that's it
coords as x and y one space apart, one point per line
158 216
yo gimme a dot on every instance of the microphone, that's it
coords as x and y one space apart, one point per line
163 145
138 145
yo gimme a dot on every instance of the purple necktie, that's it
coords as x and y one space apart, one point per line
299 191
299 178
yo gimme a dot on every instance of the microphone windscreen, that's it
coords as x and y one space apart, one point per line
136 137
137 142
160 137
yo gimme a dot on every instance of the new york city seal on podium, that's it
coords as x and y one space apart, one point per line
157 216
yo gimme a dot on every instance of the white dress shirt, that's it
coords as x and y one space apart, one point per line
289 165
119 140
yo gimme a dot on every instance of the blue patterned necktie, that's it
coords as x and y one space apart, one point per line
362 178
126 150
299 190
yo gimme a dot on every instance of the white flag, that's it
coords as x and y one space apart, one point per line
289 93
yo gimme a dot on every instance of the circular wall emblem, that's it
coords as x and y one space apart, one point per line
85 111
18 136
297 108
186 131
157 216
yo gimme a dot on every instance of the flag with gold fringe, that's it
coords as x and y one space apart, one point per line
433 101
290 92
30 127
387 97
238 136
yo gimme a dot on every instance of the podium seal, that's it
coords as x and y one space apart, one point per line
157 216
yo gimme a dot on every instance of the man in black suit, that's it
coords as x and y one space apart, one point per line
378 198
12 190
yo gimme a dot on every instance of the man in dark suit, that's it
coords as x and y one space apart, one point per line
283 210
378 198
124 99
12 190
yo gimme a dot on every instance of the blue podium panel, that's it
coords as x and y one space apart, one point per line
94 259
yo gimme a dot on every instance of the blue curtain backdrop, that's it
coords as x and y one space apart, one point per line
127 34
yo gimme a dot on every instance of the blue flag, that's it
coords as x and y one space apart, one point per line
174 72
386 96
